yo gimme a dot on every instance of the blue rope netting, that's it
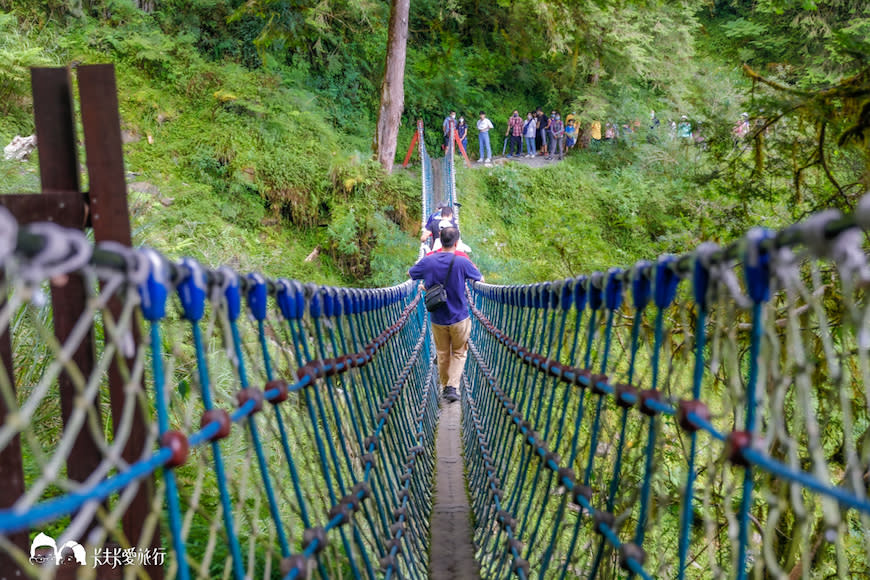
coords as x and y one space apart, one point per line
698 417
448 163
428 195
701 416
308 444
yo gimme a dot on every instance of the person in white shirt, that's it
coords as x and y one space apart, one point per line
484 125
529 129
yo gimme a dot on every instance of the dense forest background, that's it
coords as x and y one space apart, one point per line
249 124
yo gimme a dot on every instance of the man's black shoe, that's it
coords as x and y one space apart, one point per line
450 395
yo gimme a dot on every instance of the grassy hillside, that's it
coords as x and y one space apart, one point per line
227 164
598 209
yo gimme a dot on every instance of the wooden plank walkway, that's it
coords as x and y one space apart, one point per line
452 552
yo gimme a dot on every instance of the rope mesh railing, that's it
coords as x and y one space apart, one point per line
427 197
699 417
292 428
448 164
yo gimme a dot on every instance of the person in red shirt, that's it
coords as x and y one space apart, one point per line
437 245
515 132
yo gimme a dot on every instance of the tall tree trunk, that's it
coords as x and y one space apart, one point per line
393 87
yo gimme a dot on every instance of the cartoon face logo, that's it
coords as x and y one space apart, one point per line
71 552
44 550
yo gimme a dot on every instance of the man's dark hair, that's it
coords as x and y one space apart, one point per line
446 211
449 237
482 113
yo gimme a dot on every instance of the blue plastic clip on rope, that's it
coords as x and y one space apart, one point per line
666 281
192 289
701 290
641 284
153 294
757 269
595 286
258 295
613 292
232 292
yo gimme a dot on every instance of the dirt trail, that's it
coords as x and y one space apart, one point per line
537 161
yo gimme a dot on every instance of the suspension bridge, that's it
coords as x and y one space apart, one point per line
697 416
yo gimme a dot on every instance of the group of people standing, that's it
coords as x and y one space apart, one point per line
541 134
550 135
537 134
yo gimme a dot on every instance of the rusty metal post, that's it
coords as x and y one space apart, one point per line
61 203
110 218
59 173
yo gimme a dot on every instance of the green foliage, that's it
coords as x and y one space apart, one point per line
393 254
567 219
17 54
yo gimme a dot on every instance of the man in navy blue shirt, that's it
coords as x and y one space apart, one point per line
451 324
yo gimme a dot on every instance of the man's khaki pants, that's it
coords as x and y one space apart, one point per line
451 343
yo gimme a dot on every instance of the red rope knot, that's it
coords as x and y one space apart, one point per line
632 551
397 527
298 562
342 510
645 398
566 474
395 543
532 438
371 443
311 370
281 387
552 456
314 534
602 519
251 394
596 382
582 377
388 562
692 407
626 395
735 444
361 490
557 369
219 416
581 491
506 519
178 445
521 564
